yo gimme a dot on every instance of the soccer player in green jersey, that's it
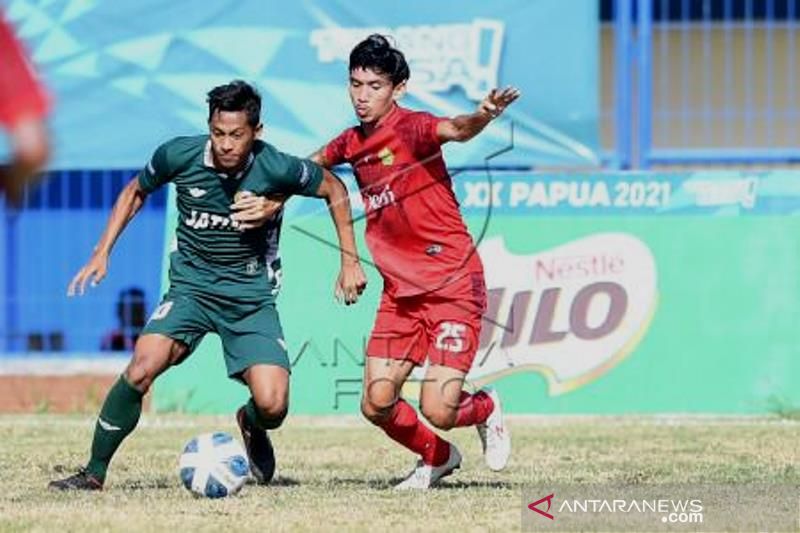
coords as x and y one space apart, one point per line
224 272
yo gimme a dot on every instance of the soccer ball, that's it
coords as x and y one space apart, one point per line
214 465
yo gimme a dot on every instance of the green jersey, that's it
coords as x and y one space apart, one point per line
210 254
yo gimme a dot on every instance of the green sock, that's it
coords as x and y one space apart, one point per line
258 420
118 417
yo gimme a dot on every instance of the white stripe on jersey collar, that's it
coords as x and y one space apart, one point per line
208 161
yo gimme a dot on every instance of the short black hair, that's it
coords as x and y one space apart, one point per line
377 54
237 95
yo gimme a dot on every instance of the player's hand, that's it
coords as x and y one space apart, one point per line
95 270
498 100
350 284
254 211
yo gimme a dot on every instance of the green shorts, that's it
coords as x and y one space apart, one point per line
250 334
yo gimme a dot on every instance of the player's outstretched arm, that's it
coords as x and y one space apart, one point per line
128 203
252 211
351 281
464 127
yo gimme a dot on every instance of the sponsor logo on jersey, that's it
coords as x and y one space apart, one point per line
382 199
202 220
386 156
197 192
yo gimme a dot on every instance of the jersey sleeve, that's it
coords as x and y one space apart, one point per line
294 175
426 141
334 151
166 162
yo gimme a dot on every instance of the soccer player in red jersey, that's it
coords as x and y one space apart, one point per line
434 291
23 107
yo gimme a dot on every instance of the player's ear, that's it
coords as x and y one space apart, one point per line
399 90
258 130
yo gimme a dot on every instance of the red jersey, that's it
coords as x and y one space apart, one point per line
21 95
415 232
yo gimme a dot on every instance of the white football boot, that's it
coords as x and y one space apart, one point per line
495 436
425 476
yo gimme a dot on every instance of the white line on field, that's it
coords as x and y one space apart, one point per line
34 365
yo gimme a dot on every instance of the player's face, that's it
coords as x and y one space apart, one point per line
232 138
372 94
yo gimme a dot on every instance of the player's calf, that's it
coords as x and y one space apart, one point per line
266 410
257 444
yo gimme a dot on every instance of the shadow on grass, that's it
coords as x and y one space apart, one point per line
62 469
387 484
162 482
476 484
159 483
278 481
170 483
367 483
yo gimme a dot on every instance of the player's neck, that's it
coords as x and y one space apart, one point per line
230 172
369 127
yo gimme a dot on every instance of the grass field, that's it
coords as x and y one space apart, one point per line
335 474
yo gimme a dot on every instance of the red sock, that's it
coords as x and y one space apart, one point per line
473 408
404 427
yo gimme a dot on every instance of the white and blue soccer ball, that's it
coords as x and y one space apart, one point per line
214 465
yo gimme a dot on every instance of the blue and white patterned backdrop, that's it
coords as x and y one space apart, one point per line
127 75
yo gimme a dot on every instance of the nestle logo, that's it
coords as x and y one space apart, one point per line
546 513
578 267
569 312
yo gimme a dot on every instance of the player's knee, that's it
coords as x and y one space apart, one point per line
379 398
272 411
375 413
439 417
151 356
140 374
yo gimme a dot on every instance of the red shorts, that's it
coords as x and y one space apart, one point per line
443 326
